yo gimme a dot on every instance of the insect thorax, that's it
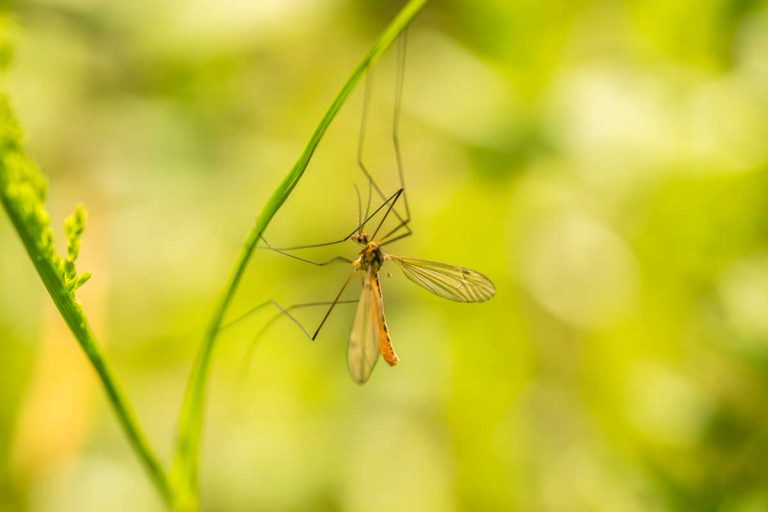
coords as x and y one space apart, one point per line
371 257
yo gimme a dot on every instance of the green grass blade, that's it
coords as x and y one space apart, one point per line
22 193
186 460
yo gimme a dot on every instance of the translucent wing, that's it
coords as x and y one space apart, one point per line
448 281
363 350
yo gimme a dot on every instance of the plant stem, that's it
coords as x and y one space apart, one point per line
78 324
186 460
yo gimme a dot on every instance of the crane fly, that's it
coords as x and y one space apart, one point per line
370 335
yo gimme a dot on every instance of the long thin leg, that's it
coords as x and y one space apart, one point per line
287 312
333 305
389 210
361 144
284 311
403 221
395 230
336 259
391 198
393 240
361 139
402 44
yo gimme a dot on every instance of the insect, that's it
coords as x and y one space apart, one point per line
370 335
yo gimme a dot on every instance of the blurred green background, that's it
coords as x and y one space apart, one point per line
602 161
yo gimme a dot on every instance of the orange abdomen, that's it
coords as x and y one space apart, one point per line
385 343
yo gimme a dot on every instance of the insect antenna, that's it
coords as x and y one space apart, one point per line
359 209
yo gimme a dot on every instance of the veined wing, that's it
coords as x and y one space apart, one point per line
363 350
448 281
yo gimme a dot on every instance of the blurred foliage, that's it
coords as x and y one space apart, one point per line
603 162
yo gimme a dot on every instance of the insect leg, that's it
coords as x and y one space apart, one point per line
389 200
402 44
361 140
404 223
386 240
284 311
336 259
333 304
386 214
